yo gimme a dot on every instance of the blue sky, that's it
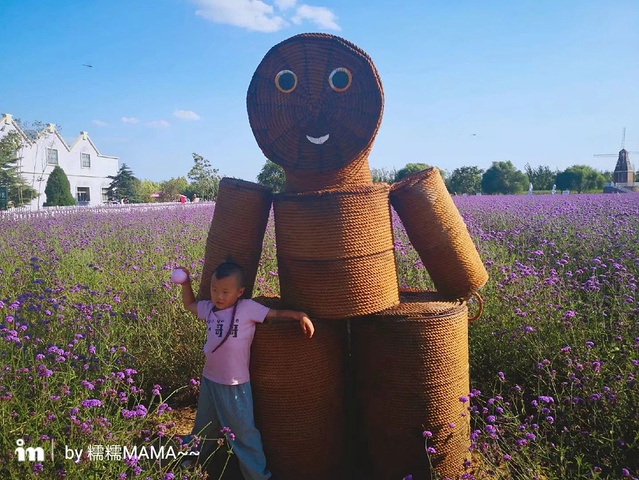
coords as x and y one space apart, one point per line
465 82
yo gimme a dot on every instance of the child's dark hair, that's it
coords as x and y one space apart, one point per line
227 269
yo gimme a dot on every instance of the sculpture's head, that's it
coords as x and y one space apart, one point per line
315 103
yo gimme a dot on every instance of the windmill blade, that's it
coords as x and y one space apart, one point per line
623 138
606 155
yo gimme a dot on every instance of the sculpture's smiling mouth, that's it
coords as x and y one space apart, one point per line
317 140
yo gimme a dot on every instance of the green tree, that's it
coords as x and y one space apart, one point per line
541 177
205 179
124 185
18 190
413 168
503 177
465 180
146 189
580 178
383 175
58 189
608 175
171 189
272 176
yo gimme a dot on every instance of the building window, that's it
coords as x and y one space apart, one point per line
105 194
86 160
83 194
52 156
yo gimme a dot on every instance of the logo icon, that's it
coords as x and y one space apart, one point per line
35 454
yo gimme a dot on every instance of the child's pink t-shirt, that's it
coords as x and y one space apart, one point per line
229 365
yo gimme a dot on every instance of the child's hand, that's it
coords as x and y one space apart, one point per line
307 325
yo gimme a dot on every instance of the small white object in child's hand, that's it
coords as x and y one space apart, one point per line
179 276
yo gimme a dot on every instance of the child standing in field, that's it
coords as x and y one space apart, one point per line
225 391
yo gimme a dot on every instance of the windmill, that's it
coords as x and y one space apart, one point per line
624 173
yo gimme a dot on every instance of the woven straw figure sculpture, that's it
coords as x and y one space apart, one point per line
315 104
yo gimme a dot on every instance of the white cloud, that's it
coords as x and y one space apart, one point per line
252 14
130 120
320 16
186 115
158 124
284 4
100 123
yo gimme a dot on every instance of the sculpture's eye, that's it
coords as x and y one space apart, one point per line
340 79
286 81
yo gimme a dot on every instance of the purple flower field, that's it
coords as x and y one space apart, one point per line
96 348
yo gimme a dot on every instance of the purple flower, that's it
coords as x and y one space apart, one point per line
87 384
431 451
44 371
427 434
227 431
90 403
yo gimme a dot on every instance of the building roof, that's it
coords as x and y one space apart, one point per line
32 136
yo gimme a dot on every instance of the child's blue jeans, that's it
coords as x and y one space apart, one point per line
230 406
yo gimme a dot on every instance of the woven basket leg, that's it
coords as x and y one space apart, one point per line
408 376
298 390
237 231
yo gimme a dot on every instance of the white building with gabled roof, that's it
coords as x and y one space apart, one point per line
87 169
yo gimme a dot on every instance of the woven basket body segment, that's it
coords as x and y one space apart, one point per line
237 230
335 251
356 173
298 389
410 367
439 234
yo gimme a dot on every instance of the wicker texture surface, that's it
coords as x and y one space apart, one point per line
354 174
342 122
298 389
335 251
237 230
439 234
410 366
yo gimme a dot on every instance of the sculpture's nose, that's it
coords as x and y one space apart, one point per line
314 106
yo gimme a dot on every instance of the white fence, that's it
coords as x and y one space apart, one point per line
26 212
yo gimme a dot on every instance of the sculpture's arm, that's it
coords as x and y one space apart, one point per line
439 234
237 231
